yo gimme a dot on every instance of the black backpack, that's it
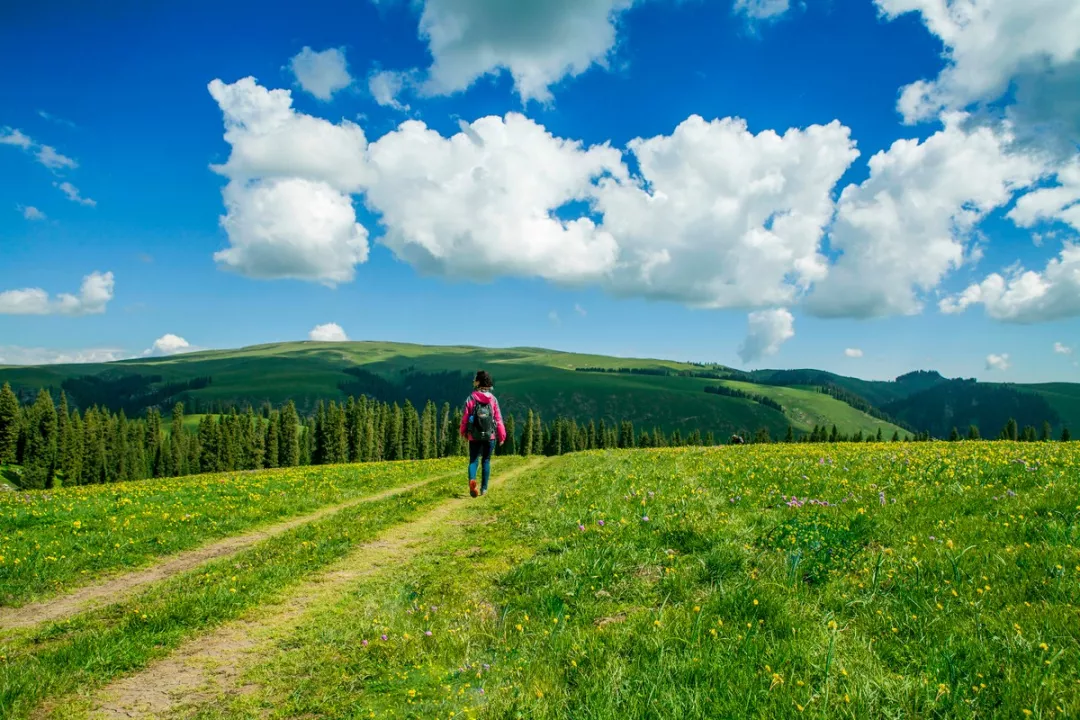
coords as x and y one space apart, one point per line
483 425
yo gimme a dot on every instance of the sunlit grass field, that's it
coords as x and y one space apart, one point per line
894 580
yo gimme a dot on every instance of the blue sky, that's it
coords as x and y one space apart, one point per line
755 236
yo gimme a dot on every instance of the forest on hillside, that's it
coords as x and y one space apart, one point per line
54 444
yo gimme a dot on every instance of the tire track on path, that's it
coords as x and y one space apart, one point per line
120 587
205 666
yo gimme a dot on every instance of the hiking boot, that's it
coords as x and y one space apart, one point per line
472 488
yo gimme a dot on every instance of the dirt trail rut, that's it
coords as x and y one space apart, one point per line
204 667
118 588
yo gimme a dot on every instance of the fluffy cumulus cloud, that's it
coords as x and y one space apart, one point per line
1027 296
905 227
853 353
539 42
386 87
998 362
721 217
463 206
327 332
289 210
767 331
15 355
168 344
1059 201
992 47
94 294
1062 349
321 73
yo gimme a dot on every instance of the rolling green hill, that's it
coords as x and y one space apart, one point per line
550 381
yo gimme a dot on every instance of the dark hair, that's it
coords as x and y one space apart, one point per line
483 379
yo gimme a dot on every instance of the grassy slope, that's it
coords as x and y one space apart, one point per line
1063 397
808 407
525 377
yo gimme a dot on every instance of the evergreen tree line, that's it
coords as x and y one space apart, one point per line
57 445
753 397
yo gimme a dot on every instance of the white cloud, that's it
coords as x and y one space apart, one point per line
168 344
321 73
58 120
997 362
1027 296
94 294
539 42
73 195
31 213
1062 349
580 310
15 355
994 46
50 158
761 9
289 214
724 218
767 331
328 332
13 136
905 227
469 209
386 86
45 154
291 228
1060 201
853 352
270 140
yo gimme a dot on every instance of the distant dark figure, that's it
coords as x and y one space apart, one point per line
736 440
482 425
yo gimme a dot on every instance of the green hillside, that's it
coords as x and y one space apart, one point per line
550 381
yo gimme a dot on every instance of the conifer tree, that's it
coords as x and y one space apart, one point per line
9 424
973 432
510 447
1066 436
592 435
1011 431
72 461
954 436
289 432
896 436
273 441
526 448
538 435
410 431
834 435
40 455
446 431
789 437
602 436
396 434
178 452
879 437
1047 432
710 439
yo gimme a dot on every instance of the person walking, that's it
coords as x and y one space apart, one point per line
482 425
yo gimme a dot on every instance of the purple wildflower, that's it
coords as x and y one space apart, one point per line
384 637
600 523
364 643
645 518
581 528
428 633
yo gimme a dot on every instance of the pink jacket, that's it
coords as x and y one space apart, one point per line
480 396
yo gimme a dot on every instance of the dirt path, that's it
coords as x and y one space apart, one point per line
119 587
204 667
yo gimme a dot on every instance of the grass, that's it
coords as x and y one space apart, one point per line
85 652
807 408
52 541
881 580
